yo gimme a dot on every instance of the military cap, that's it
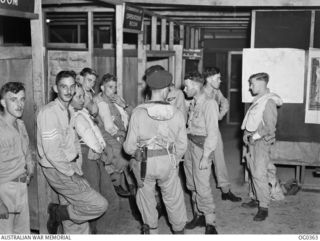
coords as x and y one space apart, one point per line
159 79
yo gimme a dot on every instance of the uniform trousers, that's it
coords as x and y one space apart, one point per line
162 170
198 182
83 203
98 178
220 167
261 169
15 197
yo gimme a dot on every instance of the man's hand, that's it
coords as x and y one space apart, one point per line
29 171
119 101
246 136
4 212
204 163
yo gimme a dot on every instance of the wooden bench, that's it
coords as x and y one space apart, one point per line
300 170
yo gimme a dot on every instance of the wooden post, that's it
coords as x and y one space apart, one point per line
181 42
163 34
90 36
119 48
253 28
197 38
1 30
141 64
38 63
313 17
187 39
153 32
192 38
171 35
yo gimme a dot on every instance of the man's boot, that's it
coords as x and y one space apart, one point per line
57 214
230 196
145 229
251 204
211 229
197 221
261 215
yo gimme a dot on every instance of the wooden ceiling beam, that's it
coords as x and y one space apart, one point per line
235 3
202 14
78 9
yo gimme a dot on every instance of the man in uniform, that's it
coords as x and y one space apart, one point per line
259 127
16 165
213 79
60 159
157 135
203 132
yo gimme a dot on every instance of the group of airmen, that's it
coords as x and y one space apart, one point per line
94 147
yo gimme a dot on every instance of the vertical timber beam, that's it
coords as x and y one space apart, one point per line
1 30
181 35
142 58
171 35
313 17
253 28
153 32
90 36
163 34
192 33
39 95
197 38
187 38
172 58
119 48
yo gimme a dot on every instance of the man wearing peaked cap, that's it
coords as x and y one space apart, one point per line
157 138
159 79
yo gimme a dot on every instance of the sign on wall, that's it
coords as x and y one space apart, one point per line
18 5
286 69
133 18
193 54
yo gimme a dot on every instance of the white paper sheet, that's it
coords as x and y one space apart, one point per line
286 69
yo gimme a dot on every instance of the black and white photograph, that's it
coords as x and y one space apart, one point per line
159 117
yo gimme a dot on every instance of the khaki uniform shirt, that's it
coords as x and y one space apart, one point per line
57 142
203 121
14 150
223 102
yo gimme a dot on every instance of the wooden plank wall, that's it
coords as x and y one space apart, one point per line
106 64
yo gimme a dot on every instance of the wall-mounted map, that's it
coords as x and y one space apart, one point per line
286 68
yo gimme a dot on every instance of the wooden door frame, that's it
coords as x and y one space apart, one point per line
229 90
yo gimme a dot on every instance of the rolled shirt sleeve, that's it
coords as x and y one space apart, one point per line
223 105
105 115
84 130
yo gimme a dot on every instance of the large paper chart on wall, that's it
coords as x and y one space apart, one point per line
285 67
313 88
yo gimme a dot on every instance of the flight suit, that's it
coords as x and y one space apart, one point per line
220 167
159 126
203 121
260 123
